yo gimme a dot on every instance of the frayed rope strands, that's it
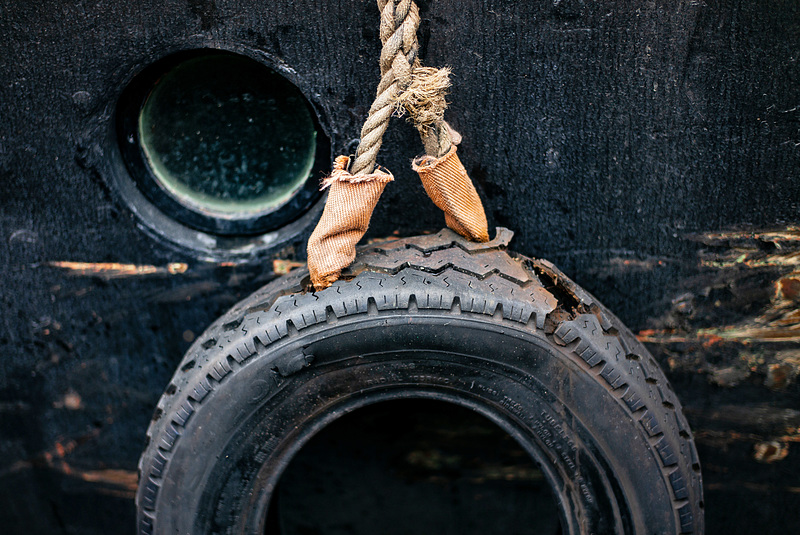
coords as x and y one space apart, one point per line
405 85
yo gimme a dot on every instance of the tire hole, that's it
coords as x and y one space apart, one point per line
565 297
188 366
171 389
413 466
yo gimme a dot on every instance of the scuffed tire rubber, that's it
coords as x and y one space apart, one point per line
425 317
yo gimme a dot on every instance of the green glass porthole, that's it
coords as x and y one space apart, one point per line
223 143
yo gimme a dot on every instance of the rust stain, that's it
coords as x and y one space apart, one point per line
784 371
720 439
632 262
770 452
751 259
71 401
788 288
779 236
777 249
54 456
750 333
779 322
123 483
672 336
125 479
113 270
282 267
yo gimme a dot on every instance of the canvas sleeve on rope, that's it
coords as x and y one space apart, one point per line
332 245
351 200
443 175
446 182
405 86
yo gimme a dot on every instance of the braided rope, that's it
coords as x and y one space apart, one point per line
398 33
405 86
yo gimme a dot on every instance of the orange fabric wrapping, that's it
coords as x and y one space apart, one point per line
345 219
447 184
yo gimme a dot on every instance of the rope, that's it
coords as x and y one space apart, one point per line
425 102
405 87
399 68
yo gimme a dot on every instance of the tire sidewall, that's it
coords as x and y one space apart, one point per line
605 477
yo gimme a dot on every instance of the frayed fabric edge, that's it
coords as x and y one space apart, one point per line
428 163
341 174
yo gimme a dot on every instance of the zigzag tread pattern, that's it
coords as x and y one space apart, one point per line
643 392
242 335
476 278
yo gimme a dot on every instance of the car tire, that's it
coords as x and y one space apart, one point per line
432 317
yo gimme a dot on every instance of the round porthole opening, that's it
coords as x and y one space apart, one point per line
222 143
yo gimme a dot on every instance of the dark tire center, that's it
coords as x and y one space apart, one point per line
413 465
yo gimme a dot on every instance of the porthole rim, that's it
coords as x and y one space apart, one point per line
215 227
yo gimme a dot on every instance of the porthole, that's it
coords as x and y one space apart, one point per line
222 143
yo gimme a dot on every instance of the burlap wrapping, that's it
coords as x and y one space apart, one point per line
345 219
450 188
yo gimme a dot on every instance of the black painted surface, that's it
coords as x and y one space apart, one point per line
606 134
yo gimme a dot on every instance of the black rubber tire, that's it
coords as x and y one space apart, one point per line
427 317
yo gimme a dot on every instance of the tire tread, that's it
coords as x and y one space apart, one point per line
459 277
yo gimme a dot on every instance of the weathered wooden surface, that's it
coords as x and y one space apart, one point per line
650 149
